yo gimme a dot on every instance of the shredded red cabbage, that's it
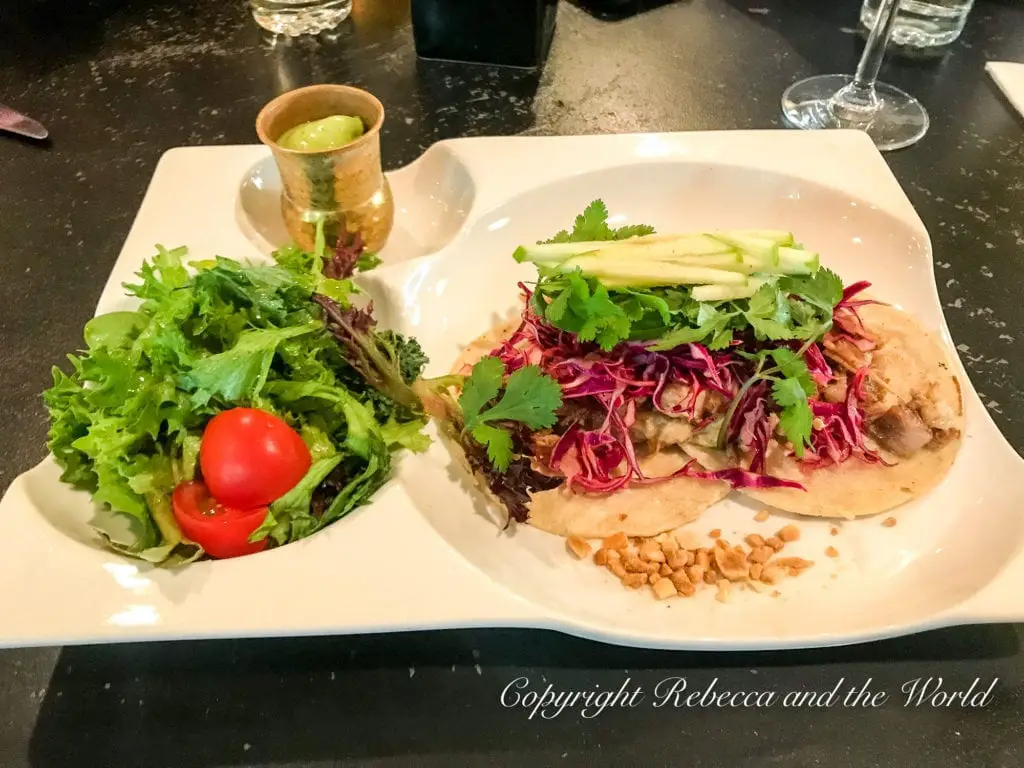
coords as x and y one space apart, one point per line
846 319
614 383
841 435
739 478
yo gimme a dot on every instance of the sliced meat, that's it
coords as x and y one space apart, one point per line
541 445
710 403
835 391
936 412
573 412
877 397
674 395
843 351
901 431
661 430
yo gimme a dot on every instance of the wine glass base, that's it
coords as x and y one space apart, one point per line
896 120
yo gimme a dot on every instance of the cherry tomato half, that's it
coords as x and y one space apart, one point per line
221 531
250 458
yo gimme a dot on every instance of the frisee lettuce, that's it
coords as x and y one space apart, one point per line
127 419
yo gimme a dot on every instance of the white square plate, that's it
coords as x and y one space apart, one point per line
425 553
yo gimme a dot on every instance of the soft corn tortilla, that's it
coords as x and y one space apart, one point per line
636 511
645 510
912 363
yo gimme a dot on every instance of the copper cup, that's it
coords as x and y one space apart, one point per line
344 187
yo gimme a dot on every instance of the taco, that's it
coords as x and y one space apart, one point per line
644 376
888 423
555 506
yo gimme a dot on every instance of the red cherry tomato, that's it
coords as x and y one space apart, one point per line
221 531
250 458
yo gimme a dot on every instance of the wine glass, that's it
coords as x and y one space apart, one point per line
893 119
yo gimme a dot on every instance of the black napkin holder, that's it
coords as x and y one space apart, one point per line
511 33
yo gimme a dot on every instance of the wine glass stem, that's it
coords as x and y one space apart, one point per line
859 96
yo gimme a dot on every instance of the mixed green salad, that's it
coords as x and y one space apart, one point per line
240 406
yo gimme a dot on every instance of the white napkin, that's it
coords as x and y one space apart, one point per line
1010 77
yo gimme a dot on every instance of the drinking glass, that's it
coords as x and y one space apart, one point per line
922 24
892 118
299 17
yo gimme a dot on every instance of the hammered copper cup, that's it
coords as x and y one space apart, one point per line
345 187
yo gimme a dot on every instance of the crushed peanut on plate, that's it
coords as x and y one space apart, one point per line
889 522
678 565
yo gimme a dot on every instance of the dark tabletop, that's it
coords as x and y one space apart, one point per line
118 83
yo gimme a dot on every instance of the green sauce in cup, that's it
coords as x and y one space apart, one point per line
323 135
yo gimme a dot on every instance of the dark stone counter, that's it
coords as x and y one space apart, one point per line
117 83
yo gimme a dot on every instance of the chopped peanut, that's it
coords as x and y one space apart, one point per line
832 552
732 563
762 516
651 551
889 522
679 577
617 541
676 564
685 588
797 563
663 588
634 580
696 573
679 560
632 563
833 531
578 547
724 591
789 533
761 554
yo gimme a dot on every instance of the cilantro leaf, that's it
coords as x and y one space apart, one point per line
769 329
721 340
792 366
555 311
768 313
715 322
796 419
592 225
530 397
633 230
481 387
823 289
788 392
498 443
